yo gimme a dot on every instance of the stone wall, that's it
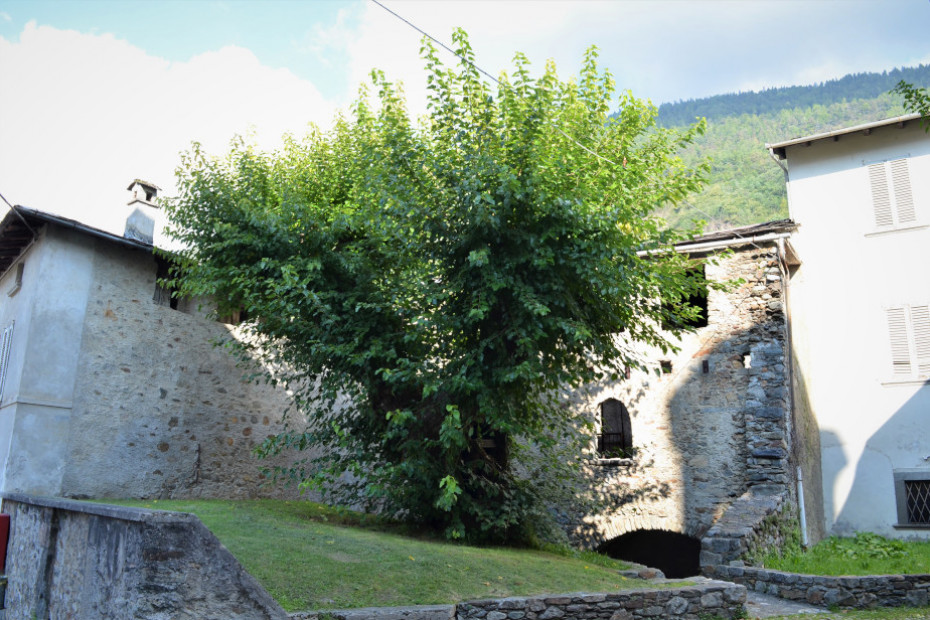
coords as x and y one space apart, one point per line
715 423
756 521
706 600
853 592
722 600
159 410
69 559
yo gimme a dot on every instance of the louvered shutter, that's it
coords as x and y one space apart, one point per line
903 199
900 346
920 321
881 196
892 204
5 343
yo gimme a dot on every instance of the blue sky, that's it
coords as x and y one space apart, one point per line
99 92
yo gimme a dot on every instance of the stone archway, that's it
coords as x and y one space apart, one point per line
677 555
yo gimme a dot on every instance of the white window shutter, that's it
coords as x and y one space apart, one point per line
920 321
903 199
881 196
900 345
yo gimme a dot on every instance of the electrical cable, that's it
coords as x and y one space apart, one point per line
20 215
496 81
482 71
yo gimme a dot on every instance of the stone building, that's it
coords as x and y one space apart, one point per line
708 428
113 388
109 387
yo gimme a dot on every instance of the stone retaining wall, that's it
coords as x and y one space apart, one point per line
69 559
710 599
857 592
755 520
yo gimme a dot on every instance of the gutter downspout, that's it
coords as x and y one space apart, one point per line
716 245
786 282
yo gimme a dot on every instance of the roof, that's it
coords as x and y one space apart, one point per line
143 184
779 147
744 232
20 225
735 237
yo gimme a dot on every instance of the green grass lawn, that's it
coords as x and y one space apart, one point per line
865 554
897 613
310 556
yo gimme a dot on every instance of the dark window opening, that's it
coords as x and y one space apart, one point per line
235 317
676 555
164 295
696 299
491 446
616 438
665 366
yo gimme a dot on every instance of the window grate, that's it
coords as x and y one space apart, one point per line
917 497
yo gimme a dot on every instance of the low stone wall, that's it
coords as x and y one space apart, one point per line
709 599
754 520
858 592
69 559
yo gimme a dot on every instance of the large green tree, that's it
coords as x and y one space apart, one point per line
430 289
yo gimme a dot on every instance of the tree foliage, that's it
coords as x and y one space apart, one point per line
916 100
428 290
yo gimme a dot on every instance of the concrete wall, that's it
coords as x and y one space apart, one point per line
871 422
703 438
38 395
69 559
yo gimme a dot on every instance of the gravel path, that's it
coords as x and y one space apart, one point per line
765 606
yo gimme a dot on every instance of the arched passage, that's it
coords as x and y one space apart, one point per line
676 555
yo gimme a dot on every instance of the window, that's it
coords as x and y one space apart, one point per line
17 280
892 202
912 494
616 438
164 295
5 342
909 335
694 299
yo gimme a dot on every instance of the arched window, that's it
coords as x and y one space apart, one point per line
616 438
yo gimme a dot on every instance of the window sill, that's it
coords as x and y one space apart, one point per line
896 229
909 381
911 526
613 462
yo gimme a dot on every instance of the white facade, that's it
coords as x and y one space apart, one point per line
860 312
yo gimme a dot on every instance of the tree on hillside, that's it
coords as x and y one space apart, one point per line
428 290
915 100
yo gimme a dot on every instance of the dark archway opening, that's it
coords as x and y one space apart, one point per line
676 555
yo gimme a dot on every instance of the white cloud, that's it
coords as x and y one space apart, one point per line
5 17
82 115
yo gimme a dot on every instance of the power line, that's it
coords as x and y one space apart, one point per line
479 69
475 66
18 214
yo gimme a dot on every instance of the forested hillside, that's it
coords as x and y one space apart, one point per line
746 186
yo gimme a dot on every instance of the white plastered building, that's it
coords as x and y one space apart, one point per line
859 307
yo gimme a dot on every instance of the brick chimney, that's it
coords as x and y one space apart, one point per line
140 225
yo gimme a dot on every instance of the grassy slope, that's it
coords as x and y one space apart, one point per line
865 554
314 557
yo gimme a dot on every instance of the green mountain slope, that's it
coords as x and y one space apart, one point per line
745 185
